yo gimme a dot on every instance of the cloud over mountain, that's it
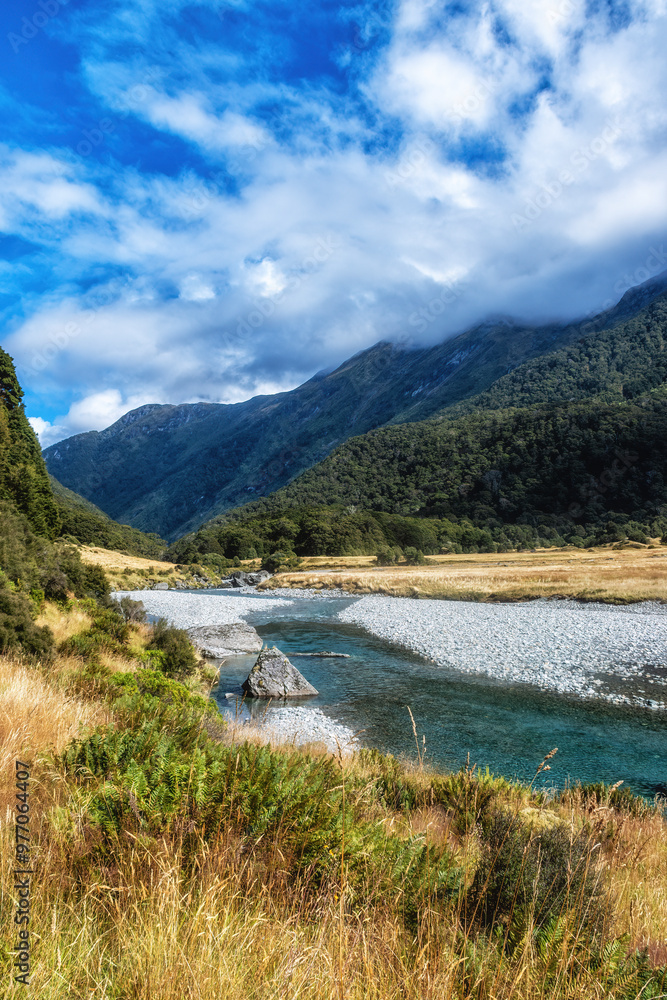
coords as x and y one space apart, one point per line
213 200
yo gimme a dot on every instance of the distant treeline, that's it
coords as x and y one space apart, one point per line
338 531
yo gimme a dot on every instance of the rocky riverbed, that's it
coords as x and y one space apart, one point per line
288 723
618 653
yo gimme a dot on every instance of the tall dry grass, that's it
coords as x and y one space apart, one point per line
34 715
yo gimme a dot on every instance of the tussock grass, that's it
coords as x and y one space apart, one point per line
177 859
604 574
34 714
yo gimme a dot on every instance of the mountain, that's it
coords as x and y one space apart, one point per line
555 451
168 468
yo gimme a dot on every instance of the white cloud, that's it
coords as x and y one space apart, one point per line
195 289
39 184
328 239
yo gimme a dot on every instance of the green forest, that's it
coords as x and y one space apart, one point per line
37 528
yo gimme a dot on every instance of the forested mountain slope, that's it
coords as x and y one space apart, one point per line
589 452
83 521
169 468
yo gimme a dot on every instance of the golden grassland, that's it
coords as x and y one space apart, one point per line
602 574
178 916
126 572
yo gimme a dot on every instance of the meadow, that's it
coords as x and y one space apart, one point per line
606 573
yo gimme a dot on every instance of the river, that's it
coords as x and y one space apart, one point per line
507 727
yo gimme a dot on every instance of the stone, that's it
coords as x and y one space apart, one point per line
242 579
216 641
273 676
161 586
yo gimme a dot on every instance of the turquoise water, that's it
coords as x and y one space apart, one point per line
508 728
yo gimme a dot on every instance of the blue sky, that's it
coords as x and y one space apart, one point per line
209 200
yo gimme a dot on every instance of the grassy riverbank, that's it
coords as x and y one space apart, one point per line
173 861
127 572
616 575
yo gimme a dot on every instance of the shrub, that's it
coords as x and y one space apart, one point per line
132 611
179 658
273 562
385 557
18 630
525 879
414 557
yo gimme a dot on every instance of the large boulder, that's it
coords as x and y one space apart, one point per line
273 676
240 578
216 641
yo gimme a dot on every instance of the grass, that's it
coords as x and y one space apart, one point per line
126 572
231 869
602 574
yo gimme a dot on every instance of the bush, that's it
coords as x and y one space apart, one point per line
273 562
524 879
18 630
132 611
414 557
385 557
179 658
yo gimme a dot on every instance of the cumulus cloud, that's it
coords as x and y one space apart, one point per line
253 217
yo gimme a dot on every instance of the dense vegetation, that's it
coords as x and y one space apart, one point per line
24 481
36 561
83 522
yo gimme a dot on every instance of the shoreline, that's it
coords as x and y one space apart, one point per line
286 723
612 653
597 648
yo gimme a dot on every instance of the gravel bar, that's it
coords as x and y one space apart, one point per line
296 724
618 653
185 610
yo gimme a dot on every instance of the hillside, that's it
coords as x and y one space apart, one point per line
82 520
36 561
588 450
170 468
24 481
616 364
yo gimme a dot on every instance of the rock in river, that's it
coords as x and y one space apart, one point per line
273 676
217 641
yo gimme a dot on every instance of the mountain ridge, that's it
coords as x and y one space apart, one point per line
153 456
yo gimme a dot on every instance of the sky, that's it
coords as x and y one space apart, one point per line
212 200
